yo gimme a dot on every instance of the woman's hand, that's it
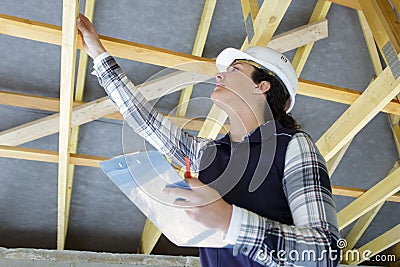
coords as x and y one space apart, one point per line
203 204
90 38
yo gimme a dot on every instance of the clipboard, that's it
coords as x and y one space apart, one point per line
142 176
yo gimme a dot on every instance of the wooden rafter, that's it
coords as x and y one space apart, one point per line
333 163
364 221
348 3
48 156
48 33
53 104
384 37
68 58
250 10
360 227
320 11
78 96
265 24
370 199
198 47
94 109
377 245
380 92
356 192
306 87
369 39
93 161
300 36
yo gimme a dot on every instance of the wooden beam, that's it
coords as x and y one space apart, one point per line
357 192
306 87
43 32
370 199
369 39
381 30
363 222
95 109
377 245
348 3
50 124
360 227
67 79
53 104
335 160
150 236
82 114
250 11
320 11
391 19
93 161
377 95
268 18
199 43
104 108
300 36
78 96
338 94
48 156
48 33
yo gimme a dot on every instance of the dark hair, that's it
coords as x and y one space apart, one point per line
276 96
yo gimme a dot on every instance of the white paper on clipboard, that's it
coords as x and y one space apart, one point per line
142 176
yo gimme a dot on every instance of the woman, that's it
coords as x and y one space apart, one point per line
278 211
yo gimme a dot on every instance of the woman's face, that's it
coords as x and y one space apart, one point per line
235 89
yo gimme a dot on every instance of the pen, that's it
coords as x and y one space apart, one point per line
187 173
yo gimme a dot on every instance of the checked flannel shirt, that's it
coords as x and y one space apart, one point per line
315 228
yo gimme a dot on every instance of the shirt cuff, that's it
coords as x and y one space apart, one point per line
234 226
100 57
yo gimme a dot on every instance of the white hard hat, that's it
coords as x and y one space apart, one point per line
268 58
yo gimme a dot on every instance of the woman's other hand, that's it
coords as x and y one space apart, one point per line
203 204
90 38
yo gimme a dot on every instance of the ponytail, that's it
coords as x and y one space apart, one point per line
277 97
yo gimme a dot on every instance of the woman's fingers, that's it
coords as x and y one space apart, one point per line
90 38
179 192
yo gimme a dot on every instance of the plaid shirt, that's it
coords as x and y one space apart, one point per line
308 242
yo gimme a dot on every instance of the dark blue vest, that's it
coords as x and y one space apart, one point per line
253 159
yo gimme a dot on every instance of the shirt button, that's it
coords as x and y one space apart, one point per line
244 249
